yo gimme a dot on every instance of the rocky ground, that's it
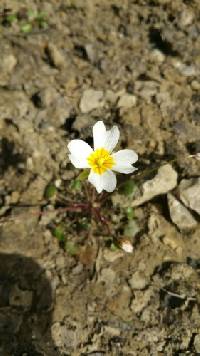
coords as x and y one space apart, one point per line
65 289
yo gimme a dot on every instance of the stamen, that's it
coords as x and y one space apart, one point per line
100 161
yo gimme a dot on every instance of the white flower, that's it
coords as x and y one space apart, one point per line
101 160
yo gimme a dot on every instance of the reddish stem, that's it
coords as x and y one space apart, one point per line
100 218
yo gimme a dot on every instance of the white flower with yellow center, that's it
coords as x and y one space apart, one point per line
101 160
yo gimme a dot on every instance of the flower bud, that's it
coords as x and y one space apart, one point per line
125 245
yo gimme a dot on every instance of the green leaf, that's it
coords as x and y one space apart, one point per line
26 28
50 191
128 188
32 14
59 233
41 16
114 247
83 175
43 24
41 19
11 18
75 184
83 224
71 248
130 213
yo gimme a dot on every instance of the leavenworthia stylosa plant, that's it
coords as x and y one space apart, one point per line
101 160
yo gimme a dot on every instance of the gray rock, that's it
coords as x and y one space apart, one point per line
83 122
110 96
91 99
180 215
45 97
55 113
187 17
107 275
8 63
197 343
59 111
56 57
29 196
164 181
127 101
140 301
15 106
138 281
186 70
189 191
111 256
96 353
60 261
195 85
158 56
146 89
112 331
91 53
63 337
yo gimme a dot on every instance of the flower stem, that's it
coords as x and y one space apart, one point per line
100 218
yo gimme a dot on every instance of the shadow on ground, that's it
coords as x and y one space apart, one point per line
25 308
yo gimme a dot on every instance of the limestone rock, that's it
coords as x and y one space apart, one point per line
7 66
83 122
164 181
45 97
111 256
8 63
189 191
126 101
140 301
138 281
91 99
197 343
55 56
64 337
91 53
186 18
180 215
107 275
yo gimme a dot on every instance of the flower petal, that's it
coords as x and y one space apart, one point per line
125 156
106 181
106 139
79 150
124 160
124 169
99 134
109 181
96 181
77 162
112 137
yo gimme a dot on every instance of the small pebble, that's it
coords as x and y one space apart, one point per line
127 101
91 99
138 281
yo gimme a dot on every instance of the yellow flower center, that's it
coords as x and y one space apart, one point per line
100 160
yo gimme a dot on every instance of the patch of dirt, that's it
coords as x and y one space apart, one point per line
64 66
